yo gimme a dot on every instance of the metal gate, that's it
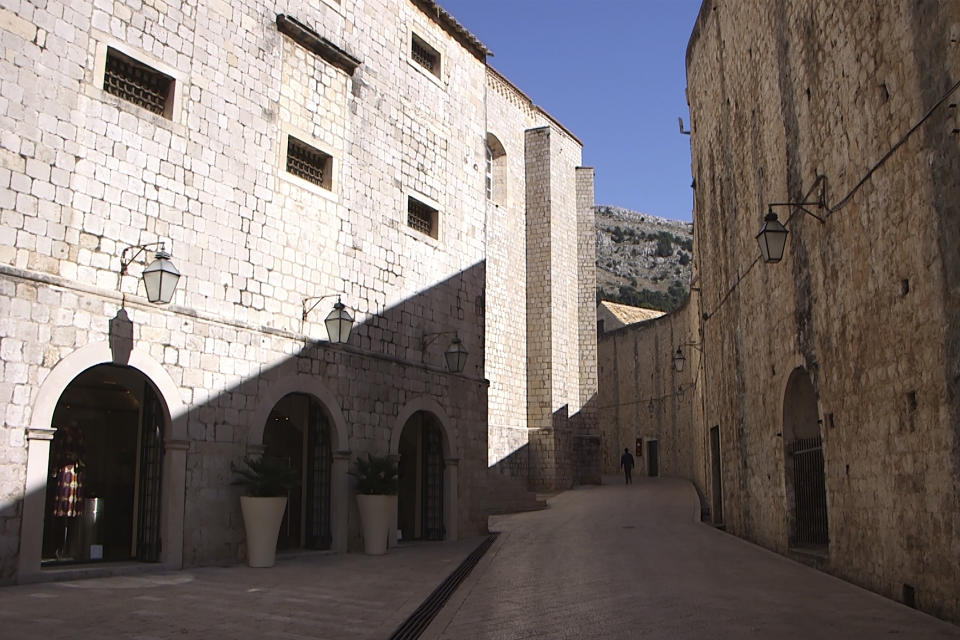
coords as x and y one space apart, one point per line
809 492
319 467
432 489
151 466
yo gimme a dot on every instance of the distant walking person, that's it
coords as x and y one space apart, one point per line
626 461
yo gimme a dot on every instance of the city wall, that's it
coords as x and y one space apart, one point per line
864 304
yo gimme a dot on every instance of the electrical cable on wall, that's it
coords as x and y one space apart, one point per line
846 199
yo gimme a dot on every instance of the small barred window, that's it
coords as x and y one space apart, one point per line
135 82
422 217
425 55
308 163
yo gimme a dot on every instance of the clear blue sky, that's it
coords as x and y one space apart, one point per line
613 73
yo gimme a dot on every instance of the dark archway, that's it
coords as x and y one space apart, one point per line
298 431
803 465
420 504
105 469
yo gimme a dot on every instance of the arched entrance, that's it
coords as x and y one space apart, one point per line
103 494
298 430
421 467
804 476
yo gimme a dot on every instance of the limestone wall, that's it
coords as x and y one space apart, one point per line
865 304
84 174
509 115
643 397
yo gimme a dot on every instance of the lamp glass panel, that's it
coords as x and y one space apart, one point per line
338 323
772 239
678 360
160 279
456 357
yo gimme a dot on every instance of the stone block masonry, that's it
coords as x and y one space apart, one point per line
85 174
863 308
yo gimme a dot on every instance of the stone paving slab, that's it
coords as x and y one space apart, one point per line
316 595
634 562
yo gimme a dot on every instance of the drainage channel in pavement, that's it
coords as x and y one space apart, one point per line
420 619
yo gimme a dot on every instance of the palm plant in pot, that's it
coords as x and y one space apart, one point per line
267 481
376 499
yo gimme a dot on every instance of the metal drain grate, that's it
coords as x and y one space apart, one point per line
418 621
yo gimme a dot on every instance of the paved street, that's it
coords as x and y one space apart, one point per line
601 562
631 562
315 595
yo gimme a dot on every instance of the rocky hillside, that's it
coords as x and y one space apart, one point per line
642 260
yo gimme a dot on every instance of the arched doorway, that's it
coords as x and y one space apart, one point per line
105 469
298 430
420 502
804 476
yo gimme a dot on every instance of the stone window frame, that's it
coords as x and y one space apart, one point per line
336 5
435 77
173 111
332 178
324 166
495 180
436 216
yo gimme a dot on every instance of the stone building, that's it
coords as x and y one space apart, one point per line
826 410
360 152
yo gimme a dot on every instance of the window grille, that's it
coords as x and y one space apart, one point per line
308 163
421 217
425 56
136 82
810 493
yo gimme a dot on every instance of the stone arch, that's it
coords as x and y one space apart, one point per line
297 383
428 405
97 353
451 460
801 412
41 433
269 396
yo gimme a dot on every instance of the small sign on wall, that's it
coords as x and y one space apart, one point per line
639 447
96 552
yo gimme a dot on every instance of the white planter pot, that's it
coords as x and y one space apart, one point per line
375 519
261 520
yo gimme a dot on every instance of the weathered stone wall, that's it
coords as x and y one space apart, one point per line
866 303
643 396
84 174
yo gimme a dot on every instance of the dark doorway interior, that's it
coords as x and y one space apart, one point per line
653 458
717 490
298 431
804 471
105 469
421 468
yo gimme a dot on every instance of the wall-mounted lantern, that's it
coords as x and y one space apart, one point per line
338 322
679 360
160 277
773 235
455 355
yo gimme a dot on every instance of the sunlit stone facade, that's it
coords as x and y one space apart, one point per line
340 148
